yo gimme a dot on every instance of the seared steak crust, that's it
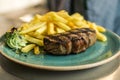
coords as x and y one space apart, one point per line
73 41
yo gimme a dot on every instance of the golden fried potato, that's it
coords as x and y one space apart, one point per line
36 50
36 19
56 18
59 30
34 40
63 26
42 29
50 28
36 35
24 26
101 29
77 16
32 28
101 37
72 25
27 48
64 14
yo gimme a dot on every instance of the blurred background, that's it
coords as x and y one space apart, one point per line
12 10
8 5
20 6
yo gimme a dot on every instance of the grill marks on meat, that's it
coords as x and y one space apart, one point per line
59 44
73 41
76 42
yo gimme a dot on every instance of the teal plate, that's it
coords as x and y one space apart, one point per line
96 55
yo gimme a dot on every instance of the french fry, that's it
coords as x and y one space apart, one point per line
34 40
50 28
27 48
32 28
101 29
77 16
36 19
38 16
93 26
64 14
23 26
80 24
72 25
36 35
44 18
63 26
59 30
98 28
101 37
42 29
57 18
36 50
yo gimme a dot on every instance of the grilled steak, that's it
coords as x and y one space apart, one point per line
73 41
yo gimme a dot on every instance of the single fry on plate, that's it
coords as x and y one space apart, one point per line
27 48
36 50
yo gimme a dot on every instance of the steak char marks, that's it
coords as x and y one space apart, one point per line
73 41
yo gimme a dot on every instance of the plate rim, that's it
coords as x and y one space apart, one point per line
65 68
62 68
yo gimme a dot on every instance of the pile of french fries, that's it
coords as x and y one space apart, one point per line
52 23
